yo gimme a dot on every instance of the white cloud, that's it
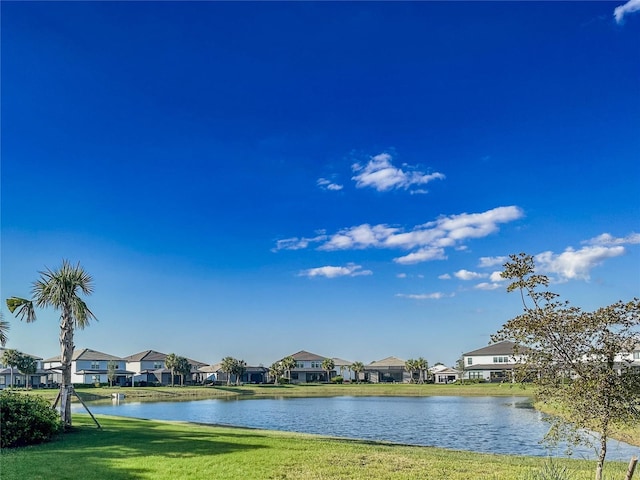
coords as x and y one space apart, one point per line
401 275
350 270
379 173
467 275
444 276
576 264
486 262
496 277
487 286
424 296
428 241
607 239
629 7
328 185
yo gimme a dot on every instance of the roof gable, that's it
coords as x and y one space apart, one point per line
148 355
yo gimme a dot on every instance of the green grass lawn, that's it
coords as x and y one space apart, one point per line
128 449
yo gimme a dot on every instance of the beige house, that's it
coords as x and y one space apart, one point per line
308 368
390 369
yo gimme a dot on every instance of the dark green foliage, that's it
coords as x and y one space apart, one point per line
25 420
337 379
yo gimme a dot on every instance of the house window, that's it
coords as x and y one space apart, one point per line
315 365
500 359
157 365
636 355
299 365
475 375
469 361
95 365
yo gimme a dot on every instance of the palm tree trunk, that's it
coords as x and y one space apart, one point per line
66 345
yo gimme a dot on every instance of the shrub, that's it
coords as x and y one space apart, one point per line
25 420
283 381
337 379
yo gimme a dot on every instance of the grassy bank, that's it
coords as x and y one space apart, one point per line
305 390
127 449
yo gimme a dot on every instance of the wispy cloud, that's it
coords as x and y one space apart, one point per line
428 241
381 174
329 185
349 270
444 276
488 286
607 239
424 296
630 7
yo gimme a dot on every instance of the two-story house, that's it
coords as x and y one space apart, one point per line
309 368
494 363
91 367
149 368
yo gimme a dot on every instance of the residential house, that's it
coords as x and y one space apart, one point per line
150 369
91 367
494 363
390 369
308 368
9 374
443 374
214 374
343 367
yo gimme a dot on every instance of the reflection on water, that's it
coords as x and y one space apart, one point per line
507 425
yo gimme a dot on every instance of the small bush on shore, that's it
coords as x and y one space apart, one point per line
26 420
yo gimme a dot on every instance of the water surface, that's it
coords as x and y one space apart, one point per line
506 425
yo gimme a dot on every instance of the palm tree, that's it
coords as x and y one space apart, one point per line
11 358
410 366
238 369
422 365
183 368
61 290
327 365
276 370
357 367
171 362
4 328
228 367
288 363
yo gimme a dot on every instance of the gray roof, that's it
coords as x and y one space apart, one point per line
303 355
86 354
501 348
387 363
148 355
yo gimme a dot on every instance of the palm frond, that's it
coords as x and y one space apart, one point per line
22 308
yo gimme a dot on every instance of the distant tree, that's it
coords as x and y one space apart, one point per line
288 363
11 358
596 347
183 368
239 369
423 369
328 365
229 367
61 290
276 371
27 366
411 366
4 328
460 366
171 362
357 368
112 367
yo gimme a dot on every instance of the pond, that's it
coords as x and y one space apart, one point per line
508 425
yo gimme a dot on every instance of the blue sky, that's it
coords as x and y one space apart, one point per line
254 179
